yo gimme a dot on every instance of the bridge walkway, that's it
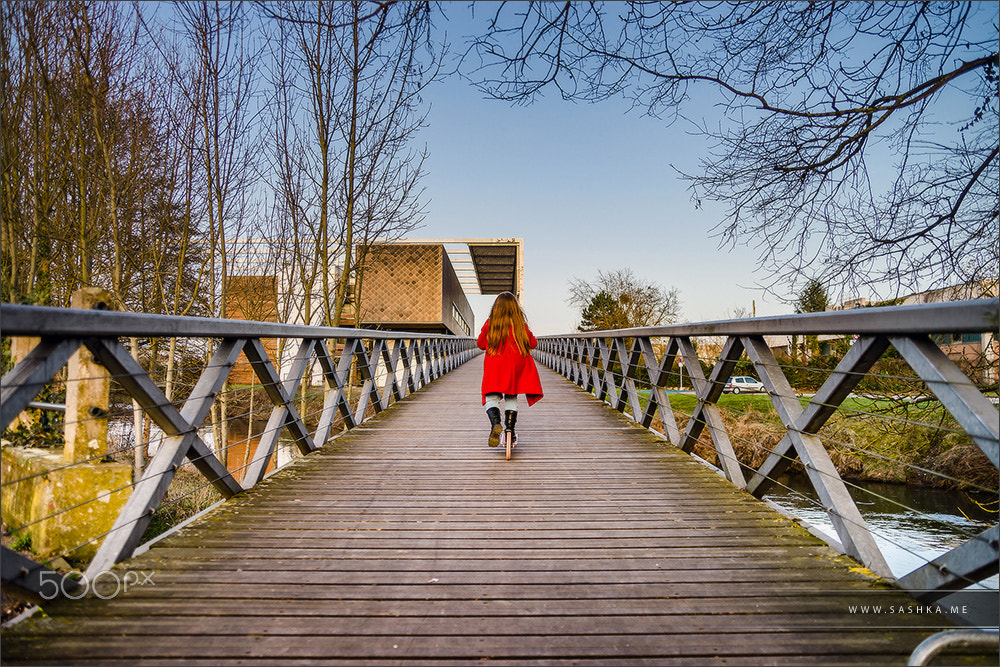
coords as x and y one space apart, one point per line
409 541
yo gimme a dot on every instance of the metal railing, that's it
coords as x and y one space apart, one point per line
353 374
631 370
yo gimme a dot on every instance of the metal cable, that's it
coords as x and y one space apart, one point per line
617 382
392 379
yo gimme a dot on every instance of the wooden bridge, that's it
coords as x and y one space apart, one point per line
408 541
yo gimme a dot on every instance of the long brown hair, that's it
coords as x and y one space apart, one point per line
507 318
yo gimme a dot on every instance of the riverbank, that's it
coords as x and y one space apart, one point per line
909 441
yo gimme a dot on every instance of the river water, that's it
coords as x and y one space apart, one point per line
911 525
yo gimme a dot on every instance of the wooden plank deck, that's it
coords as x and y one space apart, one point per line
409 541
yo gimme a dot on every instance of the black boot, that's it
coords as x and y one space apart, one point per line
495 427
510 419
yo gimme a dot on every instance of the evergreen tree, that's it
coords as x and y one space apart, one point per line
603 312
813 298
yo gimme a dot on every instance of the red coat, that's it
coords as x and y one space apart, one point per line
508 372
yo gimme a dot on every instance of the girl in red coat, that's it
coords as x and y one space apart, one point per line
508 369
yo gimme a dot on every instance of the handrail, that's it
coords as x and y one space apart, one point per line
362 372
973 316
612 363
19 320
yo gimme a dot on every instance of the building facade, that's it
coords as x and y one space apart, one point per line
412 287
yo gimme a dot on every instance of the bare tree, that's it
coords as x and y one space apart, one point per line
620 300
83 144
294 236
216 67
118 124
112 106
18 236
36 151
220 81
364 66
391 209
381 196
308 76
815 99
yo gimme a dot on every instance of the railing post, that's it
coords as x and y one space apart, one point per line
843 512
20 348
66 509
87 389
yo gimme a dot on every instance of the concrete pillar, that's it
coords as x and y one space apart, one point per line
67 509
21 347
87 389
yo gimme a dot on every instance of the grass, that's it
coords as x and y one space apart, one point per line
910 440
930 410
741 403
21 542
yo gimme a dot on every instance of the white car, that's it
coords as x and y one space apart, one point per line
742 383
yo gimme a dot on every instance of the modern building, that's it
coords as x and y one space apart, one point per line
252 298
408 285
421 285
412 287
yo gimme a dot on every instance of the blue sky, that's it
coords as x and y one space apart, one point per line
588 187
591 187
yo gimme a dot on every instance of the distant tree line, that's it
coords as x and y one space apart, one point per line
157 150
144 145
176 153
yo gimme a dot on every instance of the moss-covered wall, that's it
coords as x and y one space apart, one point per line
61 507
